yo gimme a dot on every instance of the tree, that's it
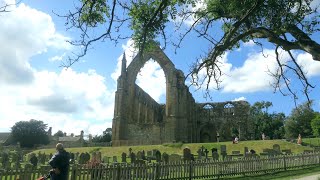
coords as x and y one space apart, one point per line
105 137
286 24
315 125
4 7
59 134
29 133
261 121
299 121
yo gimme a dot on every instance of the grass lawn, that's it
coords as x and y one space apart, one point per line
287 175
311 141
177 148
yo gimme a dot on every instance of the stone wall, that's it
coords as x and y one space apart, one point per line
138 119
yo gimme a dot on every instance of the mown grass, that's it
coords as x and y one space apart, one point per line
177 148
285 175
311 141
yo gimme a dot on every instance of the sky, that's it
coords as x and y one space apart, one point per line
33 85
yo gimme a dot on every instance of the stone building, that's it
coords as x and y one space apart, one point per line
139 119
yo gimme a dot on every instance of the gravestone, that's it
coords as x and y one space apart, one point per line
206 153
276 148
174 157
144 155
115 159
223 150
133 157
98 156
149 153
199 152
139 155
246 150
165 157
186 154
158 156
34 160
124 157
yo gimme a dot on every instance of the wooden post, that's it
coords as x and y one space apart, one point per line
284 163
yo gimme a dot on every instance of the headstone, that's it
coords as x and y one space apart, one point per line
223 150
144 155
149 154
276 148
199 152
124 157
158 156
139 155
206 153
34 160
114 159
174 158
133 157
186 154
165 157
246 150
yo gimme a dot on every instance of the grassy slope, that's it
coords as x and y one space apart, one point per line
258 146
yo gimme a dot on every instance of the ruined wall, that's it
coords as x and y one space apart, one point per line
138 119
137 116
225 118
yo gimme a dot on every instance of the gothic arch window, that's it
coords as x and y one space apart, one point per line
228 109
208 111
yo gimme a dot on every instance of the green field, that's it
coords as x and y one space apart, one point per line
177 148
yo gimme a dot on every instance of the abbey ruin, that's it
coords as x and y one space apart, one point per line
139 119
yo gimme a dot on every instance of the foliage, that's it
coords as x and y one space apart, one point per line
315 125
30 133
261 121
225 24
105 137
59 134
299 121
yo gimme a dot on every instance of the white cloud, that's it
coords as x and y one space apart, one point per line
253 76
250 43
25 32
309 66
240 99
152 80
57 58
67 100
190 20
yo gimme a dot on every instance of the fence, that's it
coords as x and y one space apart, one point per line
176 170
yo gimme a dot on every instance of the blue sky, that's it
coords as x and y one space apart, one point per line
34 86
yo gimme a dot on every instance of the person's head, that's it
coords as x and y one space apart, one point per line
59 147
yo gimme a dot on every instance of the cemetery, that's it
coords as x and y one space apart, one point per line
189 161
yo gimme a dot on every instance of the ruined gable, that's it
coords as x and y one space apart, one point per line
138 119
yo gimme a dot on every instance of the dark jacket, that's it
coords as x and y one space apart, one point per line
60 160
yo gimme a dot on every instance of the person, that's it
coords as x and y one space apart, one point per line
263 136
299 140
236 140
60 163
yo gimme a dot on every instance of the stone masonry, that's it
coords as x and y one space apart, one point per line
138 119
